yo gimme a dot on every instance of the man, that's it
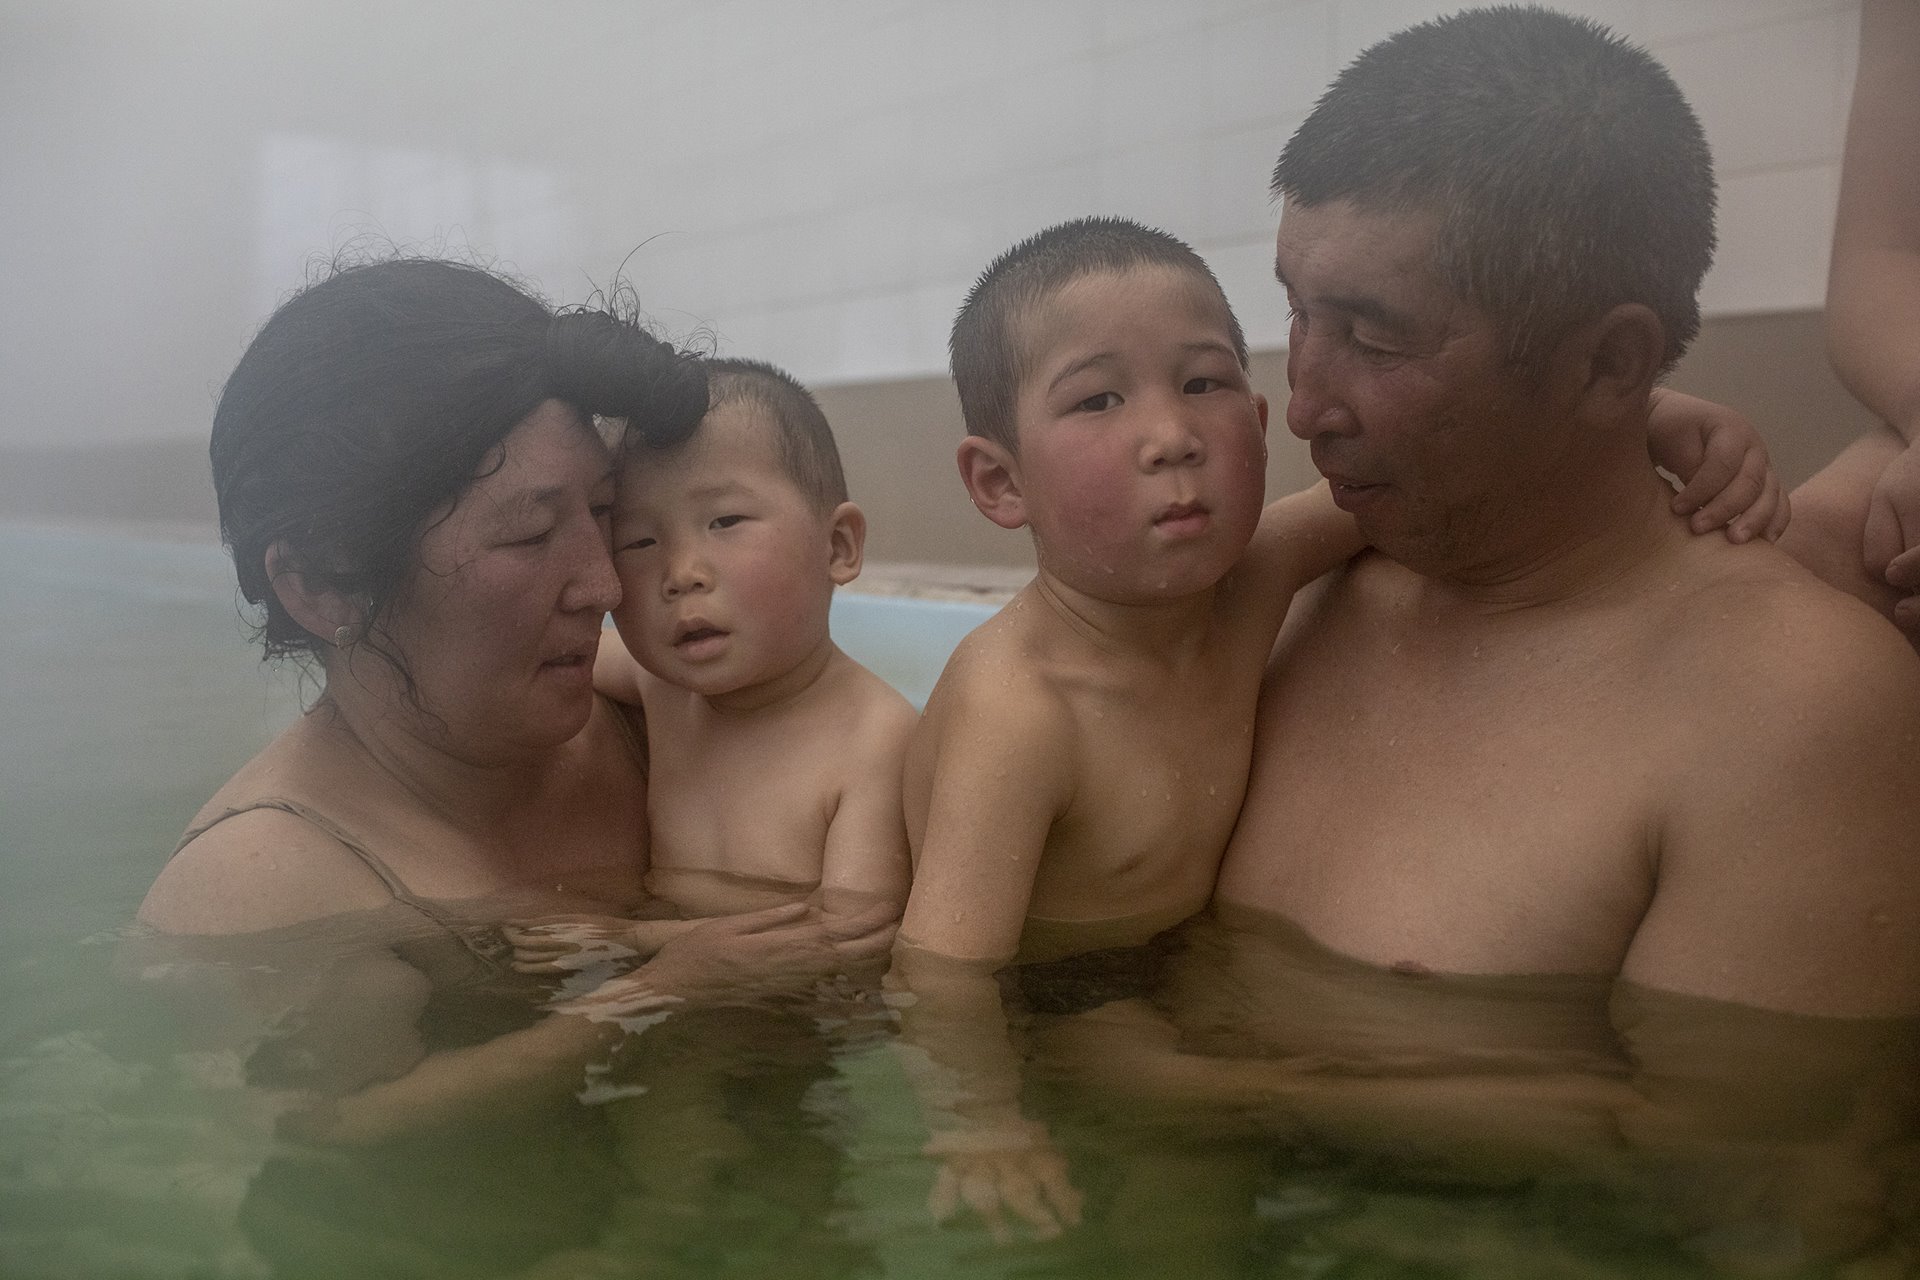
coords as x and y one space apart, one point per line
1561 819
1541 729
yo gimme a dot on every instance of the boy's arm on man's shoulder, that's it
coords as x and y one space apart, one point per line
1787 871
866 853
1002 774
616 672
1301 537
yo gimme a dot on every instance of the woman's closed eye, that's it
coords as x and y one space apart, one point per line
530 539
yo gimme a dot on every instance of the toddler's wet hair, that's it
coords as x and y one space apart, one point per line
990 349
803 440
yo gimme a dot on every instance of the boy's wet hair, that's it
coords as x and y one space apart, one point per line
1564 169
991 356
803 440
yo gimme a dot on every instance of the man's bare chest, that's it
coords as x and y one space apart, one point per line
1495 821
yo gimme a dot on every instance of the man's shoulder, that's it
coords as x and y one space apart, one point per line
1754 617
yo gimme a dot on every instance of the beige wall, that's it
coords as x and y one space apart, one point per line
897 438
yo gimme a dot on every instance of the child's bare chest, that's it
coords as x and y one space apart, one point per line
1159 784
741 804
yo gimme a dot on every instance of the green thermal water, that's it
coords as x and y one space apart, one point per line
765 1146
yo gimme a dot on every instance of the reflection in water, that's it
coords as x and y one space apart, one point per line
1248 1105
1503 1125
1233 1100
704 1145
1244 1104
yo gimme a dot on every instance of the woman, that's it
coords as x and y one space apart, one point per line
416 499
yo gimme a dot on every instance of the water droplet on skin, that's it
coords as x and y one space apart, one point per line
1143 793
1213 791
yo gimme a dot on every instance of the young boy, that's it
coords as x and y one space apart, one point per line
1082 760
774 758
773 777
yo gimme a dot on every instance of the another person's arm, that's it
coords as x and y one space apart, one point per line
1873 288
1300 537
617 674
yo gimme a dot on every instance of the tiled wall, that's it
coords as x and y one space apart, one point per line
828 212
814 184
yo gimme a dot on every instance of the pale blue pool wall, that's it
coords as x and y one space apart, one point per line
903 640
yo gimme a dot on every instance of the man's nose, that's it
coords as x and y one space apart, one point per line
1313 405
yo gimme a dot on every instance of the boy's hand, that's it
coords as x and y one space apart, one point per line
1726 479
568 943
1890 544
991 1169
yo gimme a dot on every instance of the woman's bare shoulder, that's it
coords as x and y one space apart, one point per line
259 868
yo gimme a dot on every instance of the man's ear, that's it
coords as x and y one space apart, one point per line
846 542
1618 359
322 611
992 476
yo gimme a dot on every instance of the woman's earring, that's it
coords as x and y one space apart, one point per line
343 637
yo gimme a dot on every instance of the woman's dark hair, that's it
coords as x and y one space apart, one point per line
371 400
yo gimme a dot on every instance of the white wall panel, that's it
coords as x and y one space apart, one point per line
815 184
1766 94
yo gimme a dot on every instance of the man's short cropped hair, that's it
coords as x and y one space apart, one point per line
802 438
991 356
1566 171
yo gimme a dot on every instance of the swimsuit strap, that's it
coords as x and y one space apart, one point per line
395 885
